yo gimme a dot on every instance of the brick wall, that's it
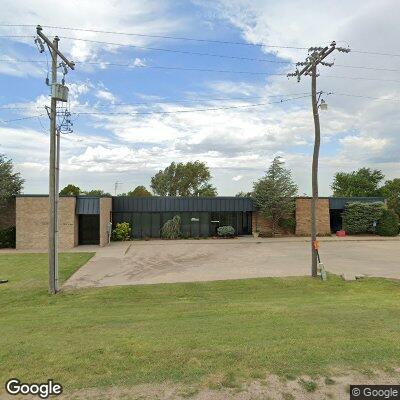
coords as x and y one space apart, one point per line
32 223
7 214
105 218
263 225
303 217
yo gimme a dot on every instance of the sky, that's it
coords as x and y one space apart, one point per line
168 98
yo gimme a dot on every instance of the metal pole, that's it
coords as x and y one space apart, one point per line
53 251
314 200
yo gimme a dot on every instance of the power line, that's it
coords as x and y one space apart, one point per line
219 55
130 65
361 96
21 119
211 54
177 51
185 38
188 111
154 36
169 112
161 101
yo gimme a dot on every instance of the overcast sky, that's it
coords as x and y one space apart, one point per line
237 143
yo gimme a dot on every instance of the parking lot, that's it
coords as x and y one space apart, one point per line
158 261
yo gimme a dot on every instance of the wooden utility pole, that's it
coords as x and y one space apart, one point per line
318 54
54 160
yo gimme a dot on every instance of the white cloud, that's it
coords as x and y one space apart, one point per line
152 17
237 178
105 95
138 62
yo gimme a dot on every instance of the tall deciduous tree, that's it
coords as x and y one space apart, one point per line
70 190
96 192
11 182
360 183
139 191
391 190
179 179
274 193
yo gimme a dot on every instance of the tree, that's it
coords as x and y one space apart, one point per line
140 191
11 183
96 193
361 183
243 194
391 190
70 190
274 193
179 179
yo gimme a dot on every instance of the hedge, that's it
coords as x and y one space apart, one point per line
359 217
388 225
7 237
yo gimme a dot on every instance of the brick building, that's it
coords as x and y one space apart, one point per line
87 220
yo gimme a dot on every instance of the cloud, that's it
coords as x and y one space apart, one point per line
237 178
105 95
152 17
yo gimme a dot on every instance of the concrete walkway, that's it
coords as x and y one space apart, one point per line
159 261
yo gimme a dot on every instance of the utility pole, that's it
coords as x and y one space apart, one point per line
318 54
58 93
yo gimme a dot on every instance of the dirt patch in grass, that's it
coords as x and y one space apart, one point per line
270 388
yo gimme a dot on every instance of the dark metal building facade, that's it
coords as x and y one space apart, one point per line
200 216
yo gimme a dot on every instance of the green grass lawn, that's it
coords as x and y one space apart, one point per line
190 332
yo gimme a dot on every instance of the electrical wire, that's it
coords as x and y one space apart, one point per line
189 111
185 38
167 112
212 54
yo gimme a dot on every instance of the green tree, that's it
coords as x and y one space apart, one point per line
11 182
179 179
361 183
96 193
243 194
391 190
274 193
70 190
140 191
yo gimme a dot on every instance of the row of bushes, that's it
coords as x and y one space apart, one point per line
170 230
7 238
370 218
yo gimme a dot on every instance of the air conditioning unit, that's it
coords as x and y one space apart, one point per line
59 92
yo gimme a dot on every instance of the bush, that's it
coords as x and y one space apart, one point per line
359 217
288 224
172 228
388 224
226 231
7 238
121 232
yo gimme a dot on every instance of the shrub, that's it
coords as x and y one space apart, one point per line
388 224
172 228
226 231
288 224
121 232
359 217
7 237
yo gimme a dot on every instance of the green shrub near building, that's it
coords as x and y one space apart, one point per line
7 238
121 232
226 231
359 217
388 224
172 228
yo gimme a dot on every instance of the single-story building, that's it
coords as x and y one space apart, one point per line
86 220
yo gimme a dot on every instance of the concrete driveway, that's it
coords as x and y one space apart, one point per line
157 261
